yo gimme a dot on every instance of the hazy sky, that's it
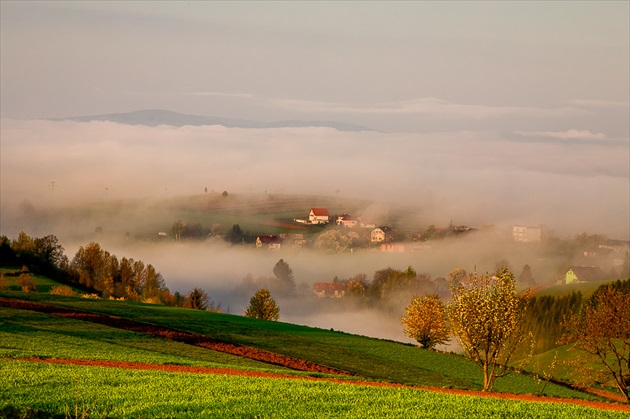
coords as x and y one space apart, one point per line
487 112
394 66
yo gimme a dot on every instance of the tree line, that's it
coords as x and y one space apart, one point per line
92 269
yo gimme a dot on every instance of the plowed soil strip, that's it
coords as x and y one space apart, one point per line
262 374
175 335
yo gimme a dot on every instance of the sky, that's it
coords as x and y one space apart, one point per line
393 66
484 112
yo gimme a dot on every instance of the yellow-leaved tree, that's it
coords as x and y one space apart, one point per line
486 316
425 321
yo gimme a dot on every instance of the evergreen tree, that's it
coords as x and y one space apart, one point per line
235 235
263 306
284 276
197 299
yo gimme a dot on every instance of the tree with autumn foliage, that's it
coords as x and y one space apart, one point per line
263 306
425 321
486 316
602 330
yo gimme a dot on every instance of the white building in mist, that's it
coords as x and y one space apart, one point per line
526 234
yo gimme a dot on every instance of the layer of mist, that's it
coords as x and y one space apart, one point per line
571 184
66 178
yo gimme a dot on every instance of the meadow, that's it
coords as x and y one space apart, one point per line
383 378
73 391
374 359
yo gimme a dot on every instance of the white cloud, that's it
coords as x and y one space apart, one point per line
572 134
429 106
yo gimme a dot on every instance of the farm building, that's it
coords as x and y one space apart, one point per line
295 239
271 242
577 274
329 289
318 216
346 220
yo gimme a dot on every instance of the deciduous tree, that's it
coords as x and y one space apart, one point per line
333 241
425 321
263 306
602 330
486 316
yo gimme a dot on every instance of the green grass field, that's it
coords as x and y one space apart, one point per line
71 391
586 288
52 390
374 359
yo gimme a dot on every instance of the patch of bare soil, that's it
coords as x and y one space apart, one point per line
264 356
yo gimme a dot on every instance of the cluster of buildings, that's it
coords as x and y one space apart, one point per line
321 216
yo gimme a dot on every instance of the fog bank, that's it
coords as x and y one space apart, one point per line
572 181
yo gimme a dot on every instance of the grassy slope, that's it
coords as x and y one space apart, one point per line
118 393
371 358
586 288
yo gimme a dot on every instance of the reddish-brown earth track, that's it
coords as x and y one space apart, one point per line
253 353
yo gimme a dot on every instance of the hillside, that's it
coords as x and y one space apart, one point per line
359 356
124 346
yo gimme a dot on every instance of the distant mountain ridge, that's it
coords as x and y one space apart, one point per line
155 117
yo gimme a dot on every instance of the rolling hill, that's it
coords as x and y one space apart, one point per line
61 337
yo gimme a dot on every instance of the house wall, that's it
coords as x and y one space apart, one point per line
570 277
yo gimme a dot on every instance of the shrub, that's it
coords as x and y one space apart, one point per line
63 290
26 284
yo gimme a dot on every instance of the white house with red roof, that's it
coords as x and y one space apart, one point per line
318 216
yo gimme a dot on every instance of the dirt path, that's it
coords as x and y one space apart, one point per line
185 337
246 373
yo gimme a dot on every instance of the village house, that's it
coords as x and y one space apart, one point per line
318 216
620 251
577 274
346 220
393 248
270 242
381 235
295 239
329 289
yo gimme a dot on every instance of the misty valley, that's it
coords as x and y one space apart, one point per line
350 264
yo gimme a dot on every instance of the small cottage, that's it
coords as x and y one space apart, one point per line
577 274
270 242
329 289
346 220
